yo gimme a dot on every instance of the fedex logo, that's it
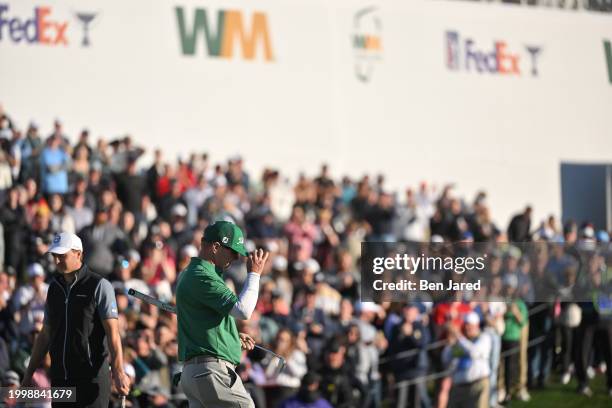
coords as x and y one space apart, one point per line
499 59
40 28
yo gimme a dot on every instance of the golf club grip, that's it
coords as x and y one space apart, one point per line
150 299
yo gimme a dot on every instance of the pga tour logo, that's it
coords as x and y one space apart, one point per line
42 27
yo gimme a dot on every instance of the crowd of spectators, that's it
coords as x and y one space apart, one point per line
141 225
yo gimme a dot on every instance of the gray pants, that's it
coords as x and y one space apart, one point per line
213 384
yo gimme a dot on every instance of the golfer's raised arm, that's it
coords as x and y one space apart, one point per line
247 300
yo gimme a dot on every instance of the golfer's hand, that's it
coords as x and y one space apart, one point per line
121 382
257 261
246 341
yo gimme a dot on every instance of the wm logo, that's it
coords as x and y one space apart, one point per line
230 31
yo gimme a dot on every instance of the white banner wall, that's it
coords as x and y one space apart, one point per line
489 97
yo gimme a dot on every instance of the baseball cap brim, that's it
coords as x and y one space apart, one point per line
58 250
240 249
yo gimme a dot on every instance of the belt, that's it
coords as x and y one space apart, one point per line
201 359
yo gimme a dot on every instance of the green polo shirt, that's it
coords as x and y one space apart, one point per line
203 304
513 327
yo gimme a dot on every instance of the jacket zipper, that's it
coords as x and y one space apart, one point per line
67 295
89 353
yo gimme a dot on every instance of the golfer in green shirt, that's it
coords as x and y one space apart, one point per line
208 340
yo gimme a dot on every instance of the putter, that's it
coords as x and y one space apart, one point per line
172 309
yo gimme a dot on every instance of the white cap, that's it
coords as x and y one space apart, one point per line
64 242
472 318
129 370
35 269
179 210
437 239
312 266
133 255
190 250
279 263
368 307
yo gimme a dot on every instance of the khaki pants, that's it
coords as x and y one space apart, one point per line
214 384
473 395
524 363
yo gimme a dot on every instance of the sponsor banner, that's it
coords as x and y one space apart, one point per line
231 32
43 25
367 41
465 53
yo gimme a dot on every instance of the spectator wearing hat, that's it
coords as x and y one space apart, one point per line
470 352
80 316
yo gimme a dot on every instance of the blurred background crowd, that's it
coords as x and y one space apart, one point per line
140 225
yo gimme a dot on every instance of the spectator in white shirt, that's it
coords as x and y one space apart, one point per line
470 354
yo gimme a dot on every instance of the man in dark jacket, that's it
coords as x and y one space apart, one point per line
80 315
520 225
338 385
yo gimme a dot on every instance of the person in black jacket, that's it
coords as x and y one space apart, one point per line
338 385
80 315
409 340
520 225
